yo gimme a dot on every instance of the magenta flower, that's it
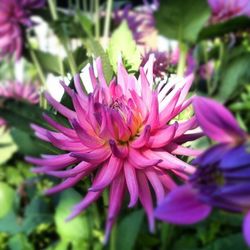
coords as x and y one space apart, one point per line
161 62
140 22
14 15
124 136
223 10
223 174
19 91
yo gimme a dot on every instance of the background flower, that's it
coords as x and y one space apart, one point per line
19 91
14 15
140 22
223 10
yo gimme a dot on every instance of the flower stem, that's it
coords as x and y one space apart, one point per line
97 19
43 101
38 67
107 21
182 59
165 235
113 237
52 8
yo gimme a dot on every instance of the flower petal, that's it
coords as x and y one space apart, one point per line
246 228
216 121
182 206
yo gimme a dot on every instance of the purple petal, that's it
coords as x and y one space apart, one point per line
235 158
182 206
216 121
246 228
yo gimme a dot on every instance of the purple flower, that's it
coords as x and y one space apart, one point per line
222 178
122 136
14 15
161 62
19 91
223 10
140 22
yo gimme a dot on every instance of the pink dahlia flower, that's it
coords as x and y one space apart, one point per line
124 135
223 10
19 91
14 15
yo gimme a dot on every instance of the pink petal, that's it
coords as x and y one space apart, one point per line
142 139
132 183
146 199
107 173
115 202
88 199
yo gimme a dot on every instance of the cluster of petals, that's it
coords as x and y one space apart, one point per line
223 174
140 22
14 15
161 63
223 10
19 91
124 135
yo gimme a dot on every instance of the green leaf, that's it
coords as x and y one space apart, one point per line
19 242
220 29
96 48
182 20
26 141
7 196
231 242
76 229
49 63
21 114
36 213
10 224
8 147
122 44
86 23
128 230
234 74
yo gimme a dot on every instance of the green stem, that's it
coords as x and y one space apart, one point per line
97 19
85 5
43 101
107 21
38 67
52 8
113 237
182 59
165 235
71 60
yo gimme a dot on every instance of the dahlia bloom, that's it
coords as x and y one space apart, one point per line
140 22
124 136
19 91
223 174
223 10
14 15
160 64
